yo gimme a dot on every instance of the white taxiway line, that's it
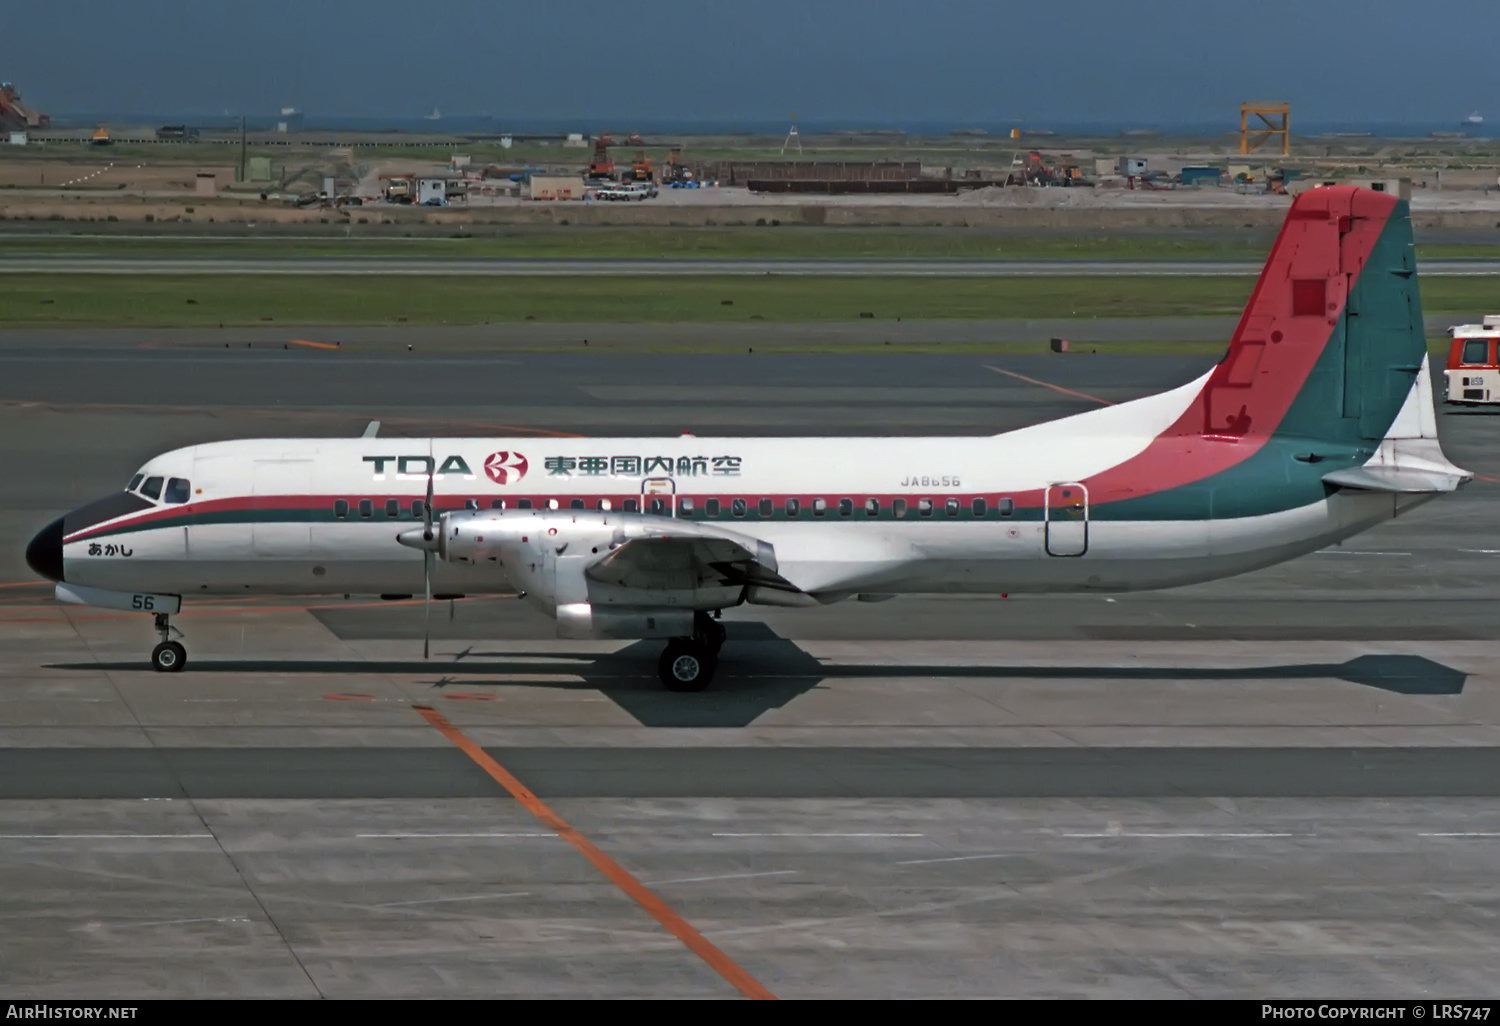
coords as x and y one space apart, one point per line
421 836
1468 833
1225 836
102 837
819 835
467 897
955 858
726 876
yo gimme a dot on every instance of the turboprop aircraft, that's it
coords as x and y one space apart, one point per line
1316 425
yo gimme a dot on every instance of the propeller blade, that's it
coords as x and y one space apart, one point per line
427 508
426 602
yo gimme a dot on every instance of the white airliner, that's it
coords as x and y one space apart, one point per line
1318 424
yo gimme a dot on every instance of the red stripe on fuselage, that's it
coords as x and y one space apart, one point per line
1328 236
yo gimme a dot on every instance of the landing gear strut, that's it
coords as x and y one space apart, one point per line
168 656
688 664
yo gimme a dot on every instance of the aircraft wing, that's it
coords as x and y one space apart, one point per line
680 555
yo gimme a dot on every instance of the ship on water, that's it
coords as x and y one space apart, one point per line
1474 118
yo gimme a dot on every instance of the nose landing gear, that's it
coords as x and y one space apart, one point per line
688 664
168 656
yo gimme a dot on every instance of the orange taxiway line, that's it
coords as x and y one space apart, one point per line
617 874
313 345
1047 384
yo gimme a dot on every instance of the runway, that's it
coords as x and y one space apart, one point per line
430 267
1284 783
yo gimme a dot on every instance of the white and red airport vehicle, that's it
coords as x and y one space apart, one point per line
1472 377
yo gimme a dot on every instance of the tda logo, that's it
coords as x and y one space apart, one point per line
505 467
411 468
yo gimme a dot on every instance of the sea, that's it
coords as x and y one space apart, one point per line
489 124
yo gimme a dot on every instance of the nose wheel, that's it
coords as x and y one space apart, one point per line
169 656
688 664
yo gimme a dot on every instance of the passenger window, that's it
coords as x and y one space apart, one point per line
178 490
766 507
416 508
924 507
604 504
471 504
631 505
1476 350
152 488
659 507
952 507
341 508
497 504
872 507
711 508
737 507
393 508
575 504
687 506
979 506
135 482
793 508
551 503
366 508
1006 507
820 506
523 504
898 508
846 507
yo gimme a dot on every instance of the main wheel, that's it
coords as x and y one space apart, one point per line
686 666
169 657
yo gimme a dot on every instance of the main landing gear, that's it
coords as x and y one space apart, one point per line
688 664
168 656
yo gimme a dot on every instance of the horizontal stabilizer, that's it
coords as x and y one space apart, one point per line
1396 479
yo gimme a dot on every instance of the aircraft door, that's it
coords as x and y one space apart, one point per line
659 496
1067 515
283 522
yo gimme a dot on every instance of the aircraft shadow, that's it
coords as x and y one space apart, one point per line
760 671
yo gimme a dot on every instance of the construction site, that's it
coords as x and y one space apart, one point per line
227 175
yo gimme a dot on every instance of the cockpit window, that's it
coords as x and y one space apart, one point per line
178 490
152 488
135 482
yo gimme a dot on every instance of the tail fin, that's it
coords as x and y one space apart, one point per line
1331 343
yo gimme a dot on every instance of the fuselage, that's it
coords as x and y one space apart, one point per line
1026 511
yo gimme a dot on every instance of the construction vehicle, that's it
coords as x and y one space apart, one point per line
641 170
1035 170
16 115
677 175
602 167
399 188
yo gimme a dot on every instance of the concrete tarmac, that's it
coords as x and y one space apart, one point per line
1281 785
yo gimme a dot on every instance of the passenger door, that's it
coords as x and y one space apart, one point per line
283 520
1067 515
659 496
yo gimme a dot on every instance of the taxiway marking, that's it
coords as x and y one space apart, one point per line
616 873
1048 384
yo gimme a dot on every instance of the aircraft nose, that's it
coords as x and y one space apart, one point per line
45 553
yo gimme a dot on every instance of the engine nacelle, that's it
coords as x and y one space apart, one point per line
583 620
545 554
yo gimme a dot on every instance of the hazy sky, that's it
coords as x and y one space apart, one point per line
1129 61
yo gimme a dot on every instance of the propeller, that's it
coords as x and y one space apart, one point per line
427 567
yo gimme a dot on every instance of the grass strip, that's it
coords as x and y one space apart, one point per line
193 301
